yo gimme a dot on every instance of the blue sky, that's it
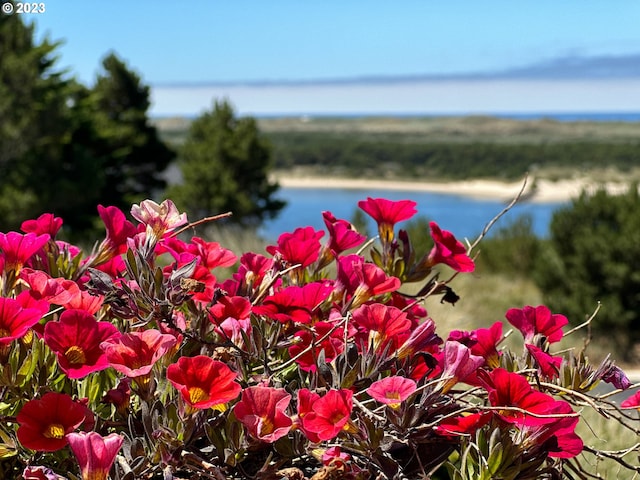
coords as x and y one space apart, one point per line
199 42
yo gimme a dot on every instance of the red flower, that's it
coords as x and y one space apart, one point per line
296 304
44 423
300 247
448 250
76 340
212 255
134 354
342 235
203 382
306 399
47 223
483 342
537 320
229 307
513 390
387 213
330 414
262 411
392 391
95 454
252 269
332 345
379 325
17 248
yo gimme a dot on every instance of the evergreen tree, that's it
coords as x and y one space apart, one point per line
593 257
225 165
64 147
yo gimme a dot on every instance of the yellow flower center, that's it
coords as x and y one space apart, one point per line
55 430
75 355
197 394
266 426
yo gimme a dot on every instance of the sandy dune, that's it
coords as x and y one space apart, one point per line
539 190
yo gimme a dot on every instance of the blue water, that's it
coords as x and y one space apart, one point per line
464 216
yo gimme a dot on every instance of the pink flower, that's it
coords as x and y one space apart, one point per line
203 382
159 219
537 320
459 364
448 250
95 454
76 339
330 414
134 354
387 213
262 411
392 391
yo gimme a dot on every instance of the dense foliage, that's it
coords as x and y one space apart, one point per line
225 165
311 361
593 257
65 147
406 156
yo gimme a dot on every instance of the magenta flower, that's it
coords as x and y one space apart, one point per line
134 354
17 248
76 339
387 213
342 234
47 223
38 472
119 230
95 454
537 320
211 254
422 339
448 250
56 291
300 247
632 402
548 365
237 307
392 391
262 411
363 280
332 345
15 319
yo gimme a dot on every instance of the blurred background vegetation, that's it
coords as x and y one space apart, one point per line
66 147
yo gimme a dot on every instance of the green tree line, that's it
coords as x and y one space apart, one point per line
406 156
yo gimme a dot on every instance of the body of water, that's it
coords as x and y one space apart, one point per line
464 216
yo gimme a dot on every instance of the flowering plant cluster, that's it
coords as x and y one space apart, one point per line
147 359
